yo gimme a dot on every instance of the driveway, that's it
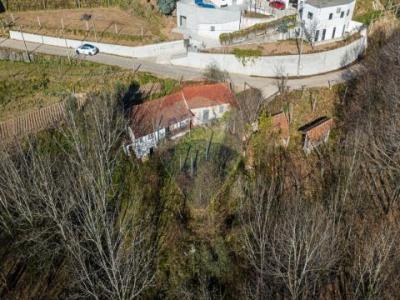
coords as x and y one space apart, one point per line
267 85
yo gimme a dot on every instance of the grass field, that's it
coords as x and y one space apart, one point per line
27 86
110 25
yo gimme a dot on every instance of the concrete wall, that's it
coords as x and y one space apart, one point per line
271 66
248 22
152 50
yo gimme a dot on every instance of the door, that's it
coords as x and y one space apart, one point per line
323 34
206 115
182 21
333 32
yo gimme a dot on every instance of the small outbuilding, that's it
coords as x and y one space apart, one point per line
280 124
315 133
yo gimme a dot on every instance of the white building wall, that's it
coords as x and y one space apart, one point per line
142 145
320 20
224 3
206 22
214 112
213 30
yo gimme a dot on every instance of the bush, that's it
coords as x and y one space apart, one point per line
166 6
246 55
229 37
214 74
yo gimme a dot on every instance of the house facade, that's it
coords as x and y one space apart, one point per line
174 115
326 19
195 20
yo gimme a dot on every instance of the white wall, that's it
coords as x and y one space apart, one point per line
223 3
152 50
205 29
200 20
270 66
213 113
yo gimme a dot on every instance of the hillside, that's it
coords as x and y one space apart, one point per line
237 208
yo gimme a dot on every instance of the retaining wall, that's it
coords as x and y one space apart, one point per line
272 66
152 50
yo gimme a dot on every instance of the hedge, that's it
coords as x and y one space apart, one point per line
228 37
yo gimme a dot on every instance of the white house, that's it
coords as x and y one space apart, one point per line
326 19
207 21
174 115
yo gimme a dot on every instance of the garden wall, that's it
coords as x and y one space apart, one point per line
272 66
153 50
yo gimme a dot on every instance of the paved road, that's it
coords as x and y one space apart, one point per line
267 85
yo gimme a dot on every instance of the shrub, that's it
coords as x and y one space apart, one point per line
166 6
246 56
229 37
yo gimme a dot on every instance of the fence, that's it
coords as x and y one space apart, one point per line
35 121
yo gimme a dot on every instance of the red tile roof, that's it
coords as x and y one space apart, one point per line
198 96
317 129
163 112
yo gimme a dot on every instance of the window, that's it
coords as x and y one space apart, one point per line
338 10
205 115
316 36
344 28
333 32
342 14
310 15
221 109
330 16
301 13
212 28
323 34
348 12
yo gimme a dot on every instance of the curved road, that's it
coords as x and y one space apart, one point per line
267 85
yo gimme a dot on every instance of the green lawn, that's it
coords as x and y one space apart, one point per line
27 86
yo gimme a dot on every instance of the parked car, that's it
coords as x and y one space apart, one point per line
277 5
87 49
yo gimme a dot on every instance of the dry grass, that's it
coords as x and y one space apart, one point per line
107 25
301 102
29 86
287 47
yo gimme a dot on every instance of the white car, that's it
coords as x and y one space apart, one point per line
87 49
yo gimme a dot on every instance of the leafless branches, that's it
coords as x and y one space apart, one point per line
77 205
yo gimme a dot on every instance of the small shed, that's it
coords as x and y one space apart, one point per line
315 133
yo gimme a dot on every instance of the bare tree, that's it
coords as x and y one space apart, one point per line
76 204
214 74
375 263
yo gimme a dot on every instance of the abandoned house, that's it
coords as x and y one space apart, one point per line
280 124
174 115
315 133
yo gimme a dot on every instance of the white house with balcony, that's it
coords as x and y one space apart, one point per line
326 19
